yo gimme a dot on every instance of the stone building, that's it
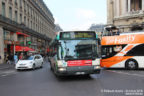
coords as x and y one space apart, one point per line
58 28
98 28
126 14
24 23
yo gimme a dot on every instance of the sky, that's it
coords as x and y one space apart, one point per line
77 14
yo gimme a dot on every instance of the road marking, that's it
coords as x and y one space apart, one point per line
138 75
4 68
6 73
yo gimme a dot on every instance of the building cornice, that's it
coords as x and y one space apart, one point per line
42 12
131 15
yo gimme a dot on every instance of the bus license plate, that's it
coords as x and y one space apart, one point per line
80 73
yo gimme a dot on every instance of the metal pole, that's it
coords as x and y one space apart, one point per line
14 49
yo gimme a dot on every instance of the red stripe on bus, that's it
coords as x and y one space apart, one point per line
79 63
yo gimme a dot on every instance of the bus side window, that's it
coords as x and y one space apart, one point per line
136 51
108 51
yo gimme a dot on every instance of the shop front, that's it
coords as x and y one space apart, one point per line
10 40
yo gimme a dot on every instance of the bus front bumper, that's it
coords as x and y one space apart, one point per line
80 70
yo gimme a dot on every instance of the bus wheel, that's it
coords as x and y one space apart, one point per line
131 64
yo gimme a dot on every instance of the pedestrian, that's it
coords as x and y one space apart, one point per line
6 58
117 32
15 58
10 57
110 33
21 56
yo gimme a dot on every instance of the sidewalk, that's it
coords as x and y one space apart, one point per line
6 66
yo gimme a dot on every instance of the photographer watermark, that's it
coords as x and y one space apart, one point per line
127 92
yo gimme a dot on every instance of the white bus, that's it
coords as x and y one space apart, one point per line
75 53
125 50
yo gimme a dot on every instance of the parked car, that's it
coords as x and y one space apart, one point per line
30 62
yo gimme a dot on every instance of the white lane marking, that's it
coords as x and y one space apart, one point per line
4 68
138 75
6 73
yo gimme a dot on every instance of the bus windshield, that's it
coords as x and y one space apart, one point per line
78 49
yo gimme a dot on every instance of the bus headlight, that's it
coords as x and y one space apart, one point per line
62 69
61 64
96 61
97 67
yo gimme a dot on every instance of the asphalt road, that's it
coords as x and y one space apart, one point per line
42 82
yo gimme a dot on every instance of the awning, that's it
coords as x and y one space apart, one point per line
18 48
19 33
28 49
21 48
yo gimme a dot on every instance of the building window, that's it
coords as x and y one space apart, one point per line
15 2
10 13
8 35
10 2
28 9
3 9
24 4
136 5
20 18
16 16
31 25
127 5
20 1
28 23
25 20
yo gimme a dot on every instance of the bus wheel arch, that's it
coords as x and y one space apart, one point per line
131 64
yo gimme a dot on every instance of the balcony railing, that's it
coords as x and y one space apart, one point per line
131 14
22 27
138 12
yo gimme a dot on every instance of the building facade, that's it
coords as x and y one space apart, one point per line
24 23
58 28
98 28
126 14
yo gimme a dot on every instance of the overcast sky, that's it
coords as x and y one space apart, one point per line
77 14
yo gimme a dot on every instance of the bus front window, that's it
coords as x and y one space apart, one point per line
78 49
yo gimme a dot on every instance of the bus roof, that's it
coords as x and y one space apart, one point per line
133 32
75 31
123 39
73 35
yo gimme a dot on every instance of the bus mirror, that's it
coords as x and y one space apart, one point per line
58 43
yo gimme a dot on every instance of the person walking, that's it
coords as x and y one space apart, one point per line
117 32
21 56
15 58
10 58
